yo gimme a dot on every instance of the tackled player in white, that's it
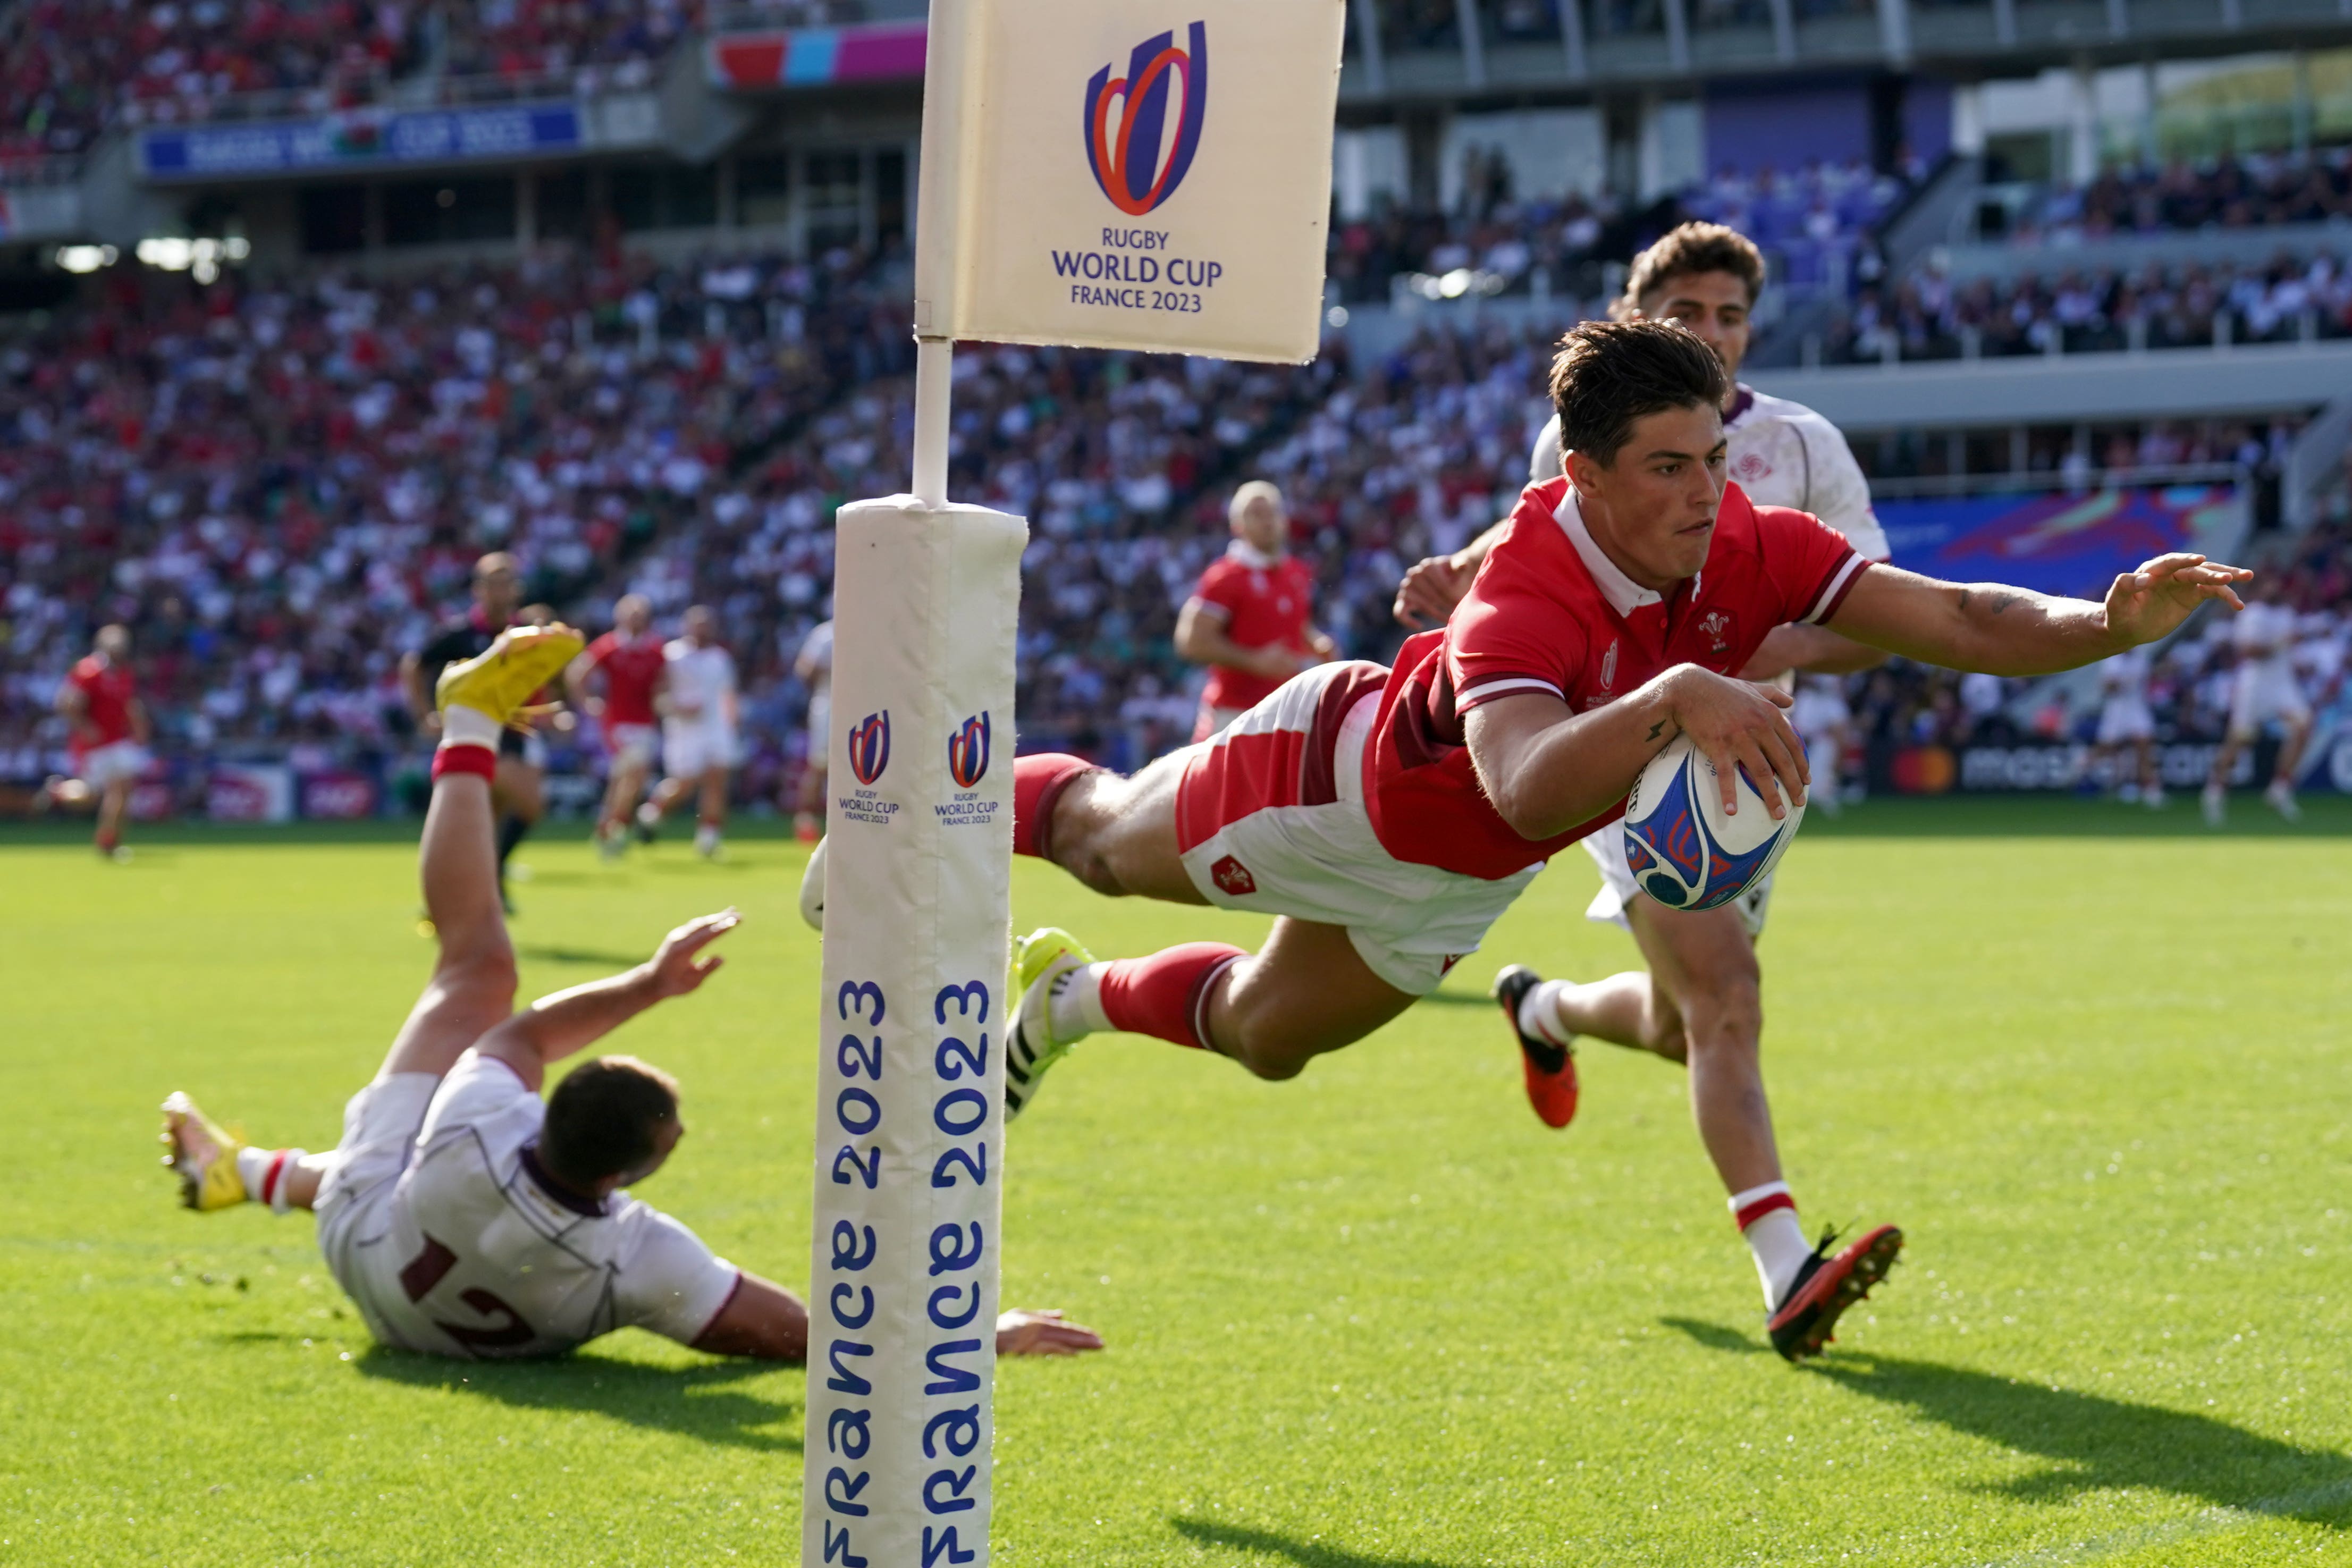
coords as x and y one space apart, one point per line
463 1215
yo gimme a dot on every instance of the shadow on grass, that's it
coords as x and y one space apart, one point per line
1305 1553
2093 1442
698 1401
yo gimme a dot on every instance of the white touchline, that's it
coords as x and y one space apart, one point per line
2204 1522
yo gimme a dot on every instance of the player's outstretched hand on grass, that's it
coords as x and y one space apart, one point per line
1043 1333
1735 723
682 965
2146 604
1430 591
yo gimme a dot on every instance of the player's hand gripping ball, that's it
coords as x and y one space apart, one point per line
1683 851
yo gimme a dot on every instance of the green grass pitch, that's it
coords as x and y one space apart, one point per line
1375 1317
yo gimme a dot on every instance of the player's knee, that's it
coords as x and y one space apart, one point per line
1727 1014
481 972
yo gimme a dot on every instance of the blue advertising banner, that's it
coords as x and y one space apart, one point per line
2072 544
359 138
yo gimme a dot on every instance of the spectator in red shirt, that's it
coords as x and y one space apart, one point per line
100 704
630 657
1248 619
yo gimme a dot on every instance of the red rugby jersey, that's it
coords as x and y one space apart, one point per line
107 691
631 670
1549 612
1261 606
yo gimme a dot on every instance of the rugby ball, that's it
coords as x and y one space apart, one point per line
1681 847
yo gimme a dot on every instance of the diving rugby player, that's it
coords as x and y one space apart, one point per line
1387 817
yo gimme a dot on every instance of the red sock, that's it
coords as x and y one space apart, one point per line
479 761
1037 783
1165 996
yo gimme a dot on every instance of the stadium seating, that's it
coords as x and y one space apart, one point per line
1927 316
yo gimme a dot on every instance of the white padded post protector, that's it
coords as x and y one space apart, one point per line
911 1020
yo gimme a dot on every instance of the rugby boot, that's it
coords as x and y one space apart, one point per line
500 680
1550 1070
1825 1287
1041 959
203 1154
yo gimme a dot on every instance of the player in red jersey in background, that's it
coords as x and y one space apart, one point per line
1387 817
99 701
630 659
1249 619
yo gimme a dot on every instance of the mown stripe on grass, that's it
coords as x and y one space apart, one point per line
2197 1526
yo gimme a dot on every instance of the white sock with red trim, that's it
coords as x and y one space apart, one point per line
469 727
1539 1013
265 1173
1768 1220
1074 1008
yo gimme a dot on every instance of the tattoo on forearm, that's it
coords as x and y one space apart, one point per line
1657 730
2002 603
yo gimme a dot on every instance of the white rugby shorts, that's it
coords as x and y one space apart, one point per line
633 743
2125 719
117 761
357 1200
1607 847
819 729
690 751
1270 818
1817 713
2261 693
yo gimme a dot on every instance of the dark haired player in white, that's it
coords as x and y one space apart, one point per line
1388 816
463 1215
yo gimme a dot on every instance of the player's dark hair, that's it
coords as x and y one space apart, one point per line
602 1118
1692 248
1608 374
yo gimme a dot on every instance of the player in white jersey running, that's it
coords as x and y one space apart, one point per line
463 1215
2125 719
2264 690
1824 721
699 743
1702 991
815 667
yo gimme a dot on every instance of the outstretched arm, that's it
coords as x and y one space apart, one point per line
765 1320
1814 650
554 1026
2001 630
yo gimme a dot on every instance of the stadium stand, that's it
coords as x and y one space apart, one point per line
657 350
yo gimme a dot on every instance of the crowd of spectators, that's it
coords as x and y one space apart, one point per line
1815 225
283 486
68 66
1928 316
2250 191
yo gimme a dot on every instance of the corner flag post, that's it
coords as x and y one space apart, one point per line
1082 183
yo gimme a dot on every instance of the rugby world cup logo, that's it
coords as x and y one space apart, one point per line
1136 162
869 746
968 752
